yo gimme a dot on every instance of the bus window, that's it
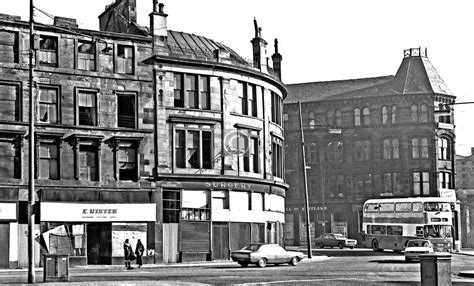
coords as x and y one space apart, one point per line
419 231
371 208
387 207
378 229
438 231
394 230
403 207
437 207
417 207
369 231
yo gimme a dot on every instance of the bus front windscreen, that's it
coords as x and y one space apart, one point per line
436 207
437 231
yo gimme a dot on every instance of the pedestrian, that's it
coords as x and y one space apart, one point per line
139 252
128 254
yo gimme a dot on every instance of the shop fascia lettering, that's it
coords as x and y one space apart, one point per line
98 211
232 185
310 208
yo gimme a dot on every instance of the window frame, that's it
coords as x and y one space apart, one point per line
94 116
357 116
119 58
130 143
54 51
135 108
421 187
186 128
15 46
18 102
277 156
57 104
14 139
180 91
82 57
55 142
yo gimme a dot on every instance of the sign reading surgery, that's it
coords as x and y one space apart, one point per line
8 211
63 212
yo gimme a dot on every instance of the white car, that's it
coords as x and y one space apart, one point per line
262 254
415 247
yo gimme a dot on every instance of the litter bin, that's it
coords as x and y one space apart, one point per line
56 268
435 269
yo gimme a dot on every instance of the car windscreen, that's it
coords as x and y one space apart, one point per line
252 247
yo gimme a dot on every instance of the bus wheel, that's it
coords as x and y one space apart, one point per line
375 245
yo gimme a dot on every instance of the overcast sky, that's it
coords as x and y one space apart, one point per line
320 40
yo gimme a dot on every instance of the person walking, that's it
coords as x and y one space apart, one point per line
139 250
128 254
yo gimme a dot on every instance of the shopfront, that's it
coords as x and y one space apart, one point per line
8 234
94 233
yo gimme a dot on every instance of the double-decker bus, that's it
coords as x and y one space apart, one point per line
390 223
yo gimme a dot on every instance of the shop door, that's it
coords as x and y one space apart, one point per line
220 241
170 242
5 244
99 243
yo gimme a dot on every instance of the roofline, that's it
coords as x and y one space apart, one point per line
218 66
342 80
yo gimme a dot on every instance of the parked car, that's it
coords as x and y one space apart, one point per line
335 239
262 254
415 247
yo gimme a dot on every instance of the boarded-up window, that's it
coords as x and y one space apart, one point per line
9 102
88 155
9 47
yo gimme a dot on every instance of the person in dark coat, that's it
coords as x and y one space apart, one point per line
139 250
128 254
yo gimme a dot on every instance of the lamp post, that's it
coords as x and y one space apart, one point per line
31 161
308 232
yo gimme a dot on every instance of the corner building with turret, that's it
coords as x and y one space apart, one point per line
140 133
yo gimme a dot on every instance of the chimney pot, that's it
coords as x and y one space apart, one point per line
160 8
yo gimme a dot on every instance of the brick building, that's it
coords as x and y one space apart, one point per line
390 136
465 193
141 133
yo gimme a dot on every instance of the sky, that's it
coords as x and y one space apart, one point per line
319 40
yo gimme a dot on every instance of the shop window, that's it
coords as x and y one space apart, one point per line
48 104
127 161
125 59
171 206
48 51
88 162
10 156
421 183
365 116
86 55
277 157
277 108
362 151
9 102
192 91
356 116
258 201
126 110
193 147
9 47
64 238
48 156
87 107
391 149
195 205
444 149
220 200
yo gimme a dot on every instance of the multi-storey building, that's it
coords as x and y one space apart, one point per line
465 171
465 193
141 133
390 136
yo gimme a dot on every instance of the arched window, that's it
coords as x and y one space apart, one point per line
338 118
394 114
330 117
311 121
365 116
423 113
391 149
424 148
444 149
414 113
415 148
384 115
356 116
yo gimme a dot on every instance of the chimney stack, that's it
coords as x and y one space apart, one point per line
276 59
259 49
158 28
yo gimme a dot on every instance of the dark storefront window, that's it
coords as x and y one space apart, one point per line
171 206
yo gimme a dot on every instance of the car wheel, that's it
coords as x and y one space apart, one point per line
351 247
294 261
262 262
243 264
321 245
341 245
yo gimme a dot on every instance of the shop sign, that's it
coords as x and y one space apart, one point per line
318 208
229 185
448 194
64 212
8 211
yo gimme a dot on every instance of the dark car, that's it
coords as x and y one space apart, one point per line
335 240
262 254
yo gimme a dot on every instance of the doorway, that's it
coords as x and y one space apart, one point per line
99 243
5 244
